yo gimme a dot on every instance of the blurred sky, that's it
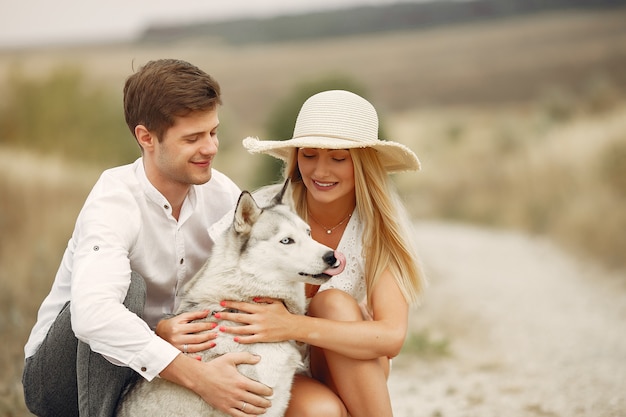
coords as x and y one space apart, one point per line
45 22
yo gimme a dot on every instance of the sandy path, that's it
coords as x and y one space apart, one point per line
533 331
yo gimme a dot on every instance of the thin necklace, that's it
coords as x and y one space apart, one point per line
329 231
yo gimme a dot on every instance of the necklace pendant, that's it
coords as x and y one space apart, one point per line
329 232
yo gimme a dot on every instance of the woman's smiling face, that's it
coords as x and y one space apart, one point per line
328 174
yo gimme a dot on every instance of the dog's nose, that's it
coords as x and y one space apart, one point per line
330 259
336 262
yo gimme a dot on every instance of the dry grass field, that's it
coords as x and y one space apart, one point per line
519 124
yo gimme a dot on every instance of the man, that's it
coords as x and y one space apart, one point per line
141 235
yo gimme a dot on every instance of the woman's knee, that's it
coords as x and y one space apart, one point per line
335 304
311 398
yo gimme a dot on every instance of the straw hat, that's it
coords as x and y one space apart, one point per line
338 119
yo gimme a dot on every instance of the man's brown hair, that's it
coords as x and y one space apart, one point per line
165 89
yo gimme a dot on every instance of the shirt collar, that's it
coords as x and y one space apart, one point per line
159 199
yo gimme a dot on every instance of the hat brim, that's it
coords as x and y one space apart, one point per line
394 156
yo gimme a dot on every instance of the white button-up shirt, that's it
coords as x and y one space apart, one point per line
127 225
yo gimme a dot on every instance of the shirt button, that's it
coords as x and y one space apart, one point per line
182 260
96 248
166 207
143 369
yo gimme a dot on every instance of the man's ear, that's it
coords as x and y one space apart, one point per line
144 137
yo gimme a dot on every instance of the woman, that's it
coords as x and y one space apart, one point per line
358 320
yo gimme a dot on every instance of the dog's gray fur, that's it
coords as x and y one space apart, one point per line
266 252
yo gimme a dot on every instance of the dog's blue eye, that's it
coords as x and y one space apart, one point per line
287 241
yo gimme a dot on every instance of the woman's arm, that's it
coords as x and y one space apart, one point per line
269 321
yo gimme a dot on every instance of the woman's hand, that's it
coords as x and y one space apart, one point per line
187 335
265 320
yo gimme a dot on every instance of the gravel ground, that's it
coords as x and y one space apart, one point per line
533 331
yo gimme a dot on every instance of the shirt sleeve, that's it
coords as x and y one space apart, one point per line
107 229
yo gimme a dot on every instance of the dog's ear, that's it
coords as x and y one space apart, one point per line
284 196
246 213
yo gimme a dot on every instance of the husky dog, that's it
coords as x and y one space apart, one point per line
266 252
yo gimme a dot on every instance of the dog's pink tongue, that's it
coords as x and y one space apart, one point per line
339 266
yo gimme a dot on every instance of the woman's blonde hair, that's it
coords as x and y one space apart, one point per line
386 242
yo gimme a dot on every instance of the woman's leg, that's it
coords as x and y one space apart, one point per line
361 384
311 398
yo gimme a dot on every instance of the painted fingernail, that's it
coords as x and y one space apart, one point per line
223 303
213 326
222 329
256 299
217 315
236 339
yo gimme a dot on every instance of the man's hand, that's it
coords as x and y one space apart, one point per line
182 332
220 384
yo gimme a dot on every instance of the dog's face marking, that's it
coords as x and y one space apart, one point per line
285 236
276 232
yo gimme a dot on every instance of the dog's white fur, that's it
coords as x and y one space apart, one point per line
266 252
